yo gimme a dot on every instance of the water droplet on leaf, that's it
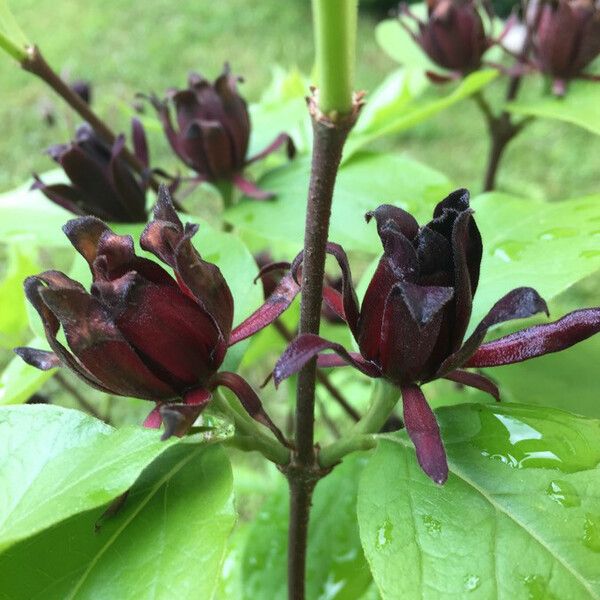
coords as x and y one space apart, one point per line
591 532
558 232
433 526
384 535
509 250
472 582
563 493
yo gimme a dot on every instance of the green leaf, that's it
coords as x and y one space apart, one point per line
168 541
364 182
406 111
13 322
336 566
519 517
580 106
56 462
19 381
547 246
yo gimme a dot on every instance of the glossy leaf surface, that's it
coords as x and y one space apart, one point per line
167 541
56 462
517 519
580 106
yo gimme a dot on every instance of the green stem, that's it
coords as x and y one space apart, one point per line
335 45
253 435
383 400
6 44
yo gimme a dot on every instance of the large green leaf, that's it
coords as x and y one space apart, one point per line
547 246
580 106
519 517
336 565
56 462
19 381
168 541
364 182
409 108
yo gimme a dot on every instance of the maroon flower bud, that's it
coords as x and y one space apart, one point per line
214 131
141 332
567 39
102 184
411 325
453 36
83 89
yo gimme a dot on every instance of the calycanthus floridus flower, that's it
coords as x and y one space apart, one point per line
453 36
411 325
214 131
102 183
566 40
141 332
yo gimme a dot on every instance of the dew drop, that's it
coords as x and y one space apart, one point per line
563 493
432 525
384 535
509 250
558 232
537 588
471 582
591 532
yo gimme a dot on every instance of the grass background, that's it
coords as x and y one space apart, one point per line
126 47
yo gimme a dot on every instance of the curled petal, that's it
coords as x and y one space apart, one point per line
130 196
64 195
476 381
153 420
307 346
403 221
285 292
457 200
538 340
40 359
85 233
333 360
250 401
518 304
166 237
280 140
424 432
179 418
140 143
250 189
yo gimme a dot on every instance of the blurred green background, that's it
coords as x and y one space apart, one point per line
126 47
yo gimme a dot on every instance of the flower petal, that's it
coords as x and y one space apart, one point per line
140 143
63 195
538 340
476 381
402 220
40 359
518 304
285 292
307 346
423 430
250 189
282 138
99 345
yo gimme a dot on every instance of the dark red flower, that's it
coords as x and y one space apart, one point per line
453 36
102 184
141 332
566 39
214 131
411 325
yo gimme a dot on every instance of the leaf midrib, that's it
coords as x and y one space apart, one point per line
499 508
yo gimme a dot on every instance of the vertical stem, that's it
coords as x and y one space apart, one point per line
35 63
333 112
335 44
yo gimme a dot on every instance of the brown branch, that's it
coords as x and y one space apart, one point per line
36 64
304 471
